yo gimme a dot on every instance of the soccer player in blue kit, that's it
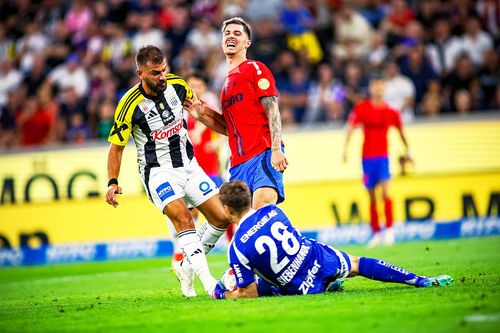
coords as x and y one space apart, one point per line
267 245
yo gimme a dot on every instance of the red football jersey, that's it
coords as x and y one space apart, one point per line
207 158
375 120
246 118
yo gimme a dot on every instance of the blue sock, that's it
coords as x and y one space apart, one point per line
379 270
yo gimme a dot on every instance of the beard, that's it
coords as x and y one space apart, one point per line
157 88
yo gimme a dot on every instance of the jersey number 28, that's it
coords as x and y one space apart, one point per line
283 238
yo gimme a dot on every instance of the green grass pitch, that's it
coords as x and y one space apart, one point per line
144 296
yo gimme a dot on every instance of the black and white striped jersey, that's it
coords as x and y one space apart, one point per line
157 123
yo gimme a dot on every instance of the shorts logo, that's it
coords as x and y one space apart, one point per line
164 191
205 188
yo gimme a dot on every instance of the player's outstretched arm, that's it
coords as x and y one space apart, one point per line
114 162
200 111
278 159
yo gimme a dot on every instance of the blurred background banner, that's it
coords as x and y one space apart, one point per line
55 197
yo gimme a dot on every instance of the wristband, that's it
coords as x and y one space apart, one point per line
112 181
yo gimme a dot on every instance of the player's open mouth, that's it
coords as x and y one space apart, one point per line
231 44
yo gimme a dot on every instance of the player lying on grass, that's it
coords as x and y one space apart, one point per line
267 244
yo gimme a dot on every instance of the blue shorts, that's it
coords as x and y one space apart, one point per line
257 172
375 170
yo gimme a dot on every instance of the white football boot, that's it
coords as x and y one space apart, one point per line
185 275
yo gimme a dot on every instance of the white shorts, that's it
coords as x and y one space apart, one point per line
164 185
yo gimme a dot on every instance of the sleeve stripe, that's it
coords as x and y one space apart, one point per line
172 76
181 82
126 101
129 101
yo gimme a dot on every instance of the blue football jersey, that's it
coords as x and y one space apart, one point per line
267 244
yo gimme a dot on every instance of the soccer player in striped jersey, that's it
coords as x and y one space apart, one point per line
250 113
153 113
266 244
376 117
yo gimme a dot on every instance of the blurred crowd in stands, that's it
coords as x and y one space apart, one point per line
65 64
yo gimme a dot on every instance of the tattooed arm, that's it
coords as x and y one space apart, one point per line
278 159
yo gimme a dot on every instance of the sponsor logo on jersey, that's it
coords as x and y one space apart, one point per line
166 131
164 191
309 280
237 273
256 227
292 269
232 100
117 130
167 116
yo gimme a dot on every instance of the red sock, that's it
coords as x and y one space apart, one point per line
230 232
374 217
388 212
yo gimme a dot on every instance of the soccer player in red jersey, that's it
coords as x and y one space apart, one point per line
376 117
251 118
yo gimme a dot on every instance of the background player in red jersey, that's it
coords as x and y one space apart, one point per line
376 117
251 117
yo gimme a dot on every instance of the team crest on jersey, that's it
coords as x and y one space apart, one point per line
173 102
263 83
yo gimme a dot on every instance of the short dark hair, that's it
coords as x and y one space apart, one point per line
149 53
240 21
235 195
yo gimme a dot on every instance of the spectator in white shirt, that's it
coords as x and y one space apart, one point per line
476 42
10 79
147 34
444 48
399 91
71 75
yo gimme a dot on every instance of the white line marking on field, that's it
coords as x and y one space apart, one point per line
482 318
80 277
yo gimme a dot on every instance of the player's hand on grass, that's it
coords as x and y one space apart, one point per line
110 194
278 160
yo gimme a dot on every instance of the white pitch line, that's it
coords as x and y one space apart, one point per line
81 277
482 318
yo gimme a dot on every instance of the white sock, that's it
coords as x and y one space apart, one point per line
209 235
193 253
